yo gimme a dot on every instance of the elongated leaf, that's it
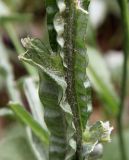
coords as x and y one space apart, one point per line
7 16
31 92
8 74
28 120
77 48
39 149
58 115
70 24
15 18
101 80
81 60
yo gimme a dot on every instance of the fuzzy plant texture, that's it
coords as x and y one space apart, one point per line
64 88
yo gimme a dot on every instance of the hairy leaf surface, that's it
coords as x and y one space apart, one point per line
70 24
81 60
57 112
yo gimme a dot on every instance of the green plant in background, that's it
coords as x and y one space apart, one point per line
123 5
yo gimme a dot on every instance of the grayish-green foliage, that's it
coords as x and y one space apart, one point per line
64 89
59 112
31 91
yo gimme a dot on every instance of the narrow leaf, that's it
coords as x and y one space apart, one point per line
36 107
101 80
52 89
82 83
15 18
26 118
8 74
31 92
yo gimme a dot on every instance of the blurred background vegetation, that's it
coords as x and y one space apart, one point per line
22 18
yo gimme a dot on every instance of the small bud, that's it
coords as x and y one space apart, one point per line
106 131
102 131
26 42
93 135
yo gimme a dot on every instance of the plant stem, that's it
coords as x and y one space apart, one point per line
125 22
69 52
121 139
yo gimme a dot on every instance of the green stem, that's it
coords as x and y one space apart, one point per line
121 139
69 52
125 21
